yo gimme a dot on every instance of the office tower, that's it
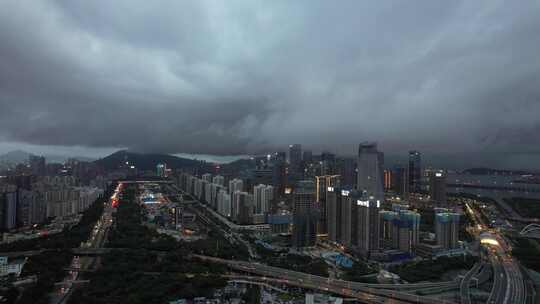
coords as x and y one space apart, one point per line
37 165
322 183
279 176
304 215
295 162
388 180
447 229
368 225
349 220
161 170
415 171
207 177
400 181
370 172
333 213
262 198
437 188
218 179
242 207
346 168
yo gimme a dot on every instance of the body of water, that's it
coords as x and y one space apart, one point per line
492 181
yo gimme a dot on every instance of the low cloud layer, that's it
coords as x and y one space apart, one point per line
238 77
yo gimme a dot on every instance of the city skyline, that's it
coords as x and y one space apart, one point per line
269 152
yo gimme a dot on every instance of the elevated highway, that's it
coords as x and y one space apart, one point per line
371 293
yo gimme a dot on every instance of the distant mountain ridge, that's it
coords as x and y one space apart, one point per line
15 157
143 161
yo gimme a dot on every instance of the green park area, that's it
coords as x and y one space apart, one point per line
295 262
152 268
526 207
432 270
528 252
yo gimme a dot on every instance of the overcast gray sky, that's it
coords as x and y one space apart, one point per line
236 77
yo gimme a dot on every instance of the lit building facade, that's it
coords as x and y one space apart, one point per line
322 183
437 188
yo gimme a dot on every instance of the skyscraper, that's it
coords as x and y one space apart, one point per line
333 213
415 171
437 189
279 173
349 220
346 167
368 225
305 215
400 181
370 171
447 229
322 183
295 162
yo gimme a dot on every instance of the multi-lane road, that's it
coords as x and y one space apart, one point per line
464 286
81 264
509 285
508 282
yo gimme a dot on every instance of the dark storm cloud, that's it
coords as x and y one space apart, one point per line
241 76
